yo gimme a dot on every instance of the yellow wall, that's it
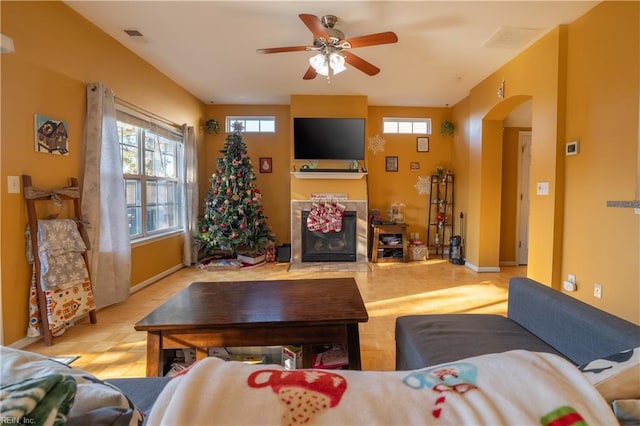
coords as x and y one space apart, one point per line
600 244
584 81
327 106
385 187
274 186
57 54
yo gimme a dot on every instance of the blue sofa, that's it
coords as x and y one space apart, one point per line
538 319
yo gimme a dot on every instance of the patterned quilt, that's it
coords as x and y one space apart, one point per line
517 387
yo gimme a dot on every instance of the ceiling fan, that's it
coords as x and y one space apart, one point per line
332 47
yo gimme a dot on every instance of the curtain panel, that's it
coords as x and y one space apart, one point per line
190 249
103 200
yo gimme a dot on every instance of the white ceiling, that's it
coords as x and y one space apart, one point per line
209 47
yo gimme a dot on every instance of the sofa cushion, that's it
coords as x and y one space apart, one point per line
425 340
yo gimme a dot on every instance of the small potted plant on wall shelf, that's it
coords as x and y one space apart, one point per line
212 126
447 128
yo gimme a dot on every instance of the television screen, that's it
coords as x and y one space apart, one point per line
328 138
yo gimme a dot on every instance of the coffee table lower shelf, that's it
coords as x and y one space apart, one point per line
202 340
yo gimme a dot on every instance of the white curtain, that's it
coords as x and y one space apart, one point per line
190 251
103 200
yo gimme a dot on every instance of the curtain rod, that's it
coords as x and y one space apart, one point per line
147 113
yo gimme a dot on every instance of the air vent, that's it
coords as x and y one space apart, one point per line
133 33
512 37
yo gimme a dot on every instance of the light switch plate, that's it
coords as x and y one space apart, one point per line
13 184
542 188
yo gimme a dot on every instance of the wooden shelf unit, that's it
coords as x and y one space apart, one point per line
397 229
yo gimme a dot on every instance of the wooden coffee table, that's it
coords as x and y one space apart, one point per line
257 313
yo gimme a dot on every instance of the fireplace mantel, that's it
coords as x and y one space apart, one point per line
328 175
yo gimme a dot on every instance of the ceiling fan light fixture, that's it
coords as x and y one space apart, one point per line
319 63
336 61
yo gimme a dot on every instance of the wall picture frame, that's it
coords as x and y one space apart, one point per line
414 166
266 165
391 164
422 144
51 135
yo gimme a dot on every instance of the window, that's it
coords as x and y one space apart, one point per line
152 158
420 126
257 124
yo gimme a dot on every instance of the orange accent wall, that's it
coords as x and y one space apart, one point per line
35 81
592 97
385 187
274 186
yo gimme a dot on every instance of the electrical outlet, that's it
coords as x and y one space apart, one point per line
597 291
571 278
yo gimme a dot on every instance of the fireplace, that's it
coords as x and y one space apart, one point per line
361 262
318 246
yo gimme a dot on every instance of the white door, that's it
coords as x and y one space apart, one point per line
524 164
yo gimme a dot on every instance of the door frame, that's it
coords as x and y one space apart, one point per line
524 193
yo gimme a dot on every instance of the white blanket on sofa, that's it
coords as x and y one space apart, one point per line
517 388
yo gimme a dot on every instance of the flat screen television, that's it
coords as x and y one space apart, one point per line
316 138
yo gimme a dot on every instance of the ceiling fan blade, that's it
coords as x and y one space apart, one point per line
361 64
315 26
373 39
282 49
310 74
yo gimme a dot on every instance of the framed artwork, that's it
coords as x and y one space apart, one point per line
51 135
266 165
423 144
391 164
414 166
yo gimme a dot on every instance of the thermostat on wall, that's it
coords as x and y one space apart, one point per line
572 148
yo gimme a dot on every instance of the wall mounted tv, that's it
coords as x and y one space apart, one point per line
316 138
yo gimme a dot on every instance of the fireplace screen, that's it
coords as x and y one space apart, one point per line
331 246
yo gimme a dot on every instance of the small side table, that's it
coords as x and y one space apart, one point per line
398 229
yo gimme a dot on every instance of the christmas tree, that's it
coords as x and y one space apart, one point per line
233 213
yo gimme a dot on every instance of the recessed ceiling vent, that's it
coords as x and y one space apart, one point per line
512 37
133 33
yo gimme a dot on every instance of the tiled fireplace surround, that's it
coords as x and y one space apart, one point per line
361 263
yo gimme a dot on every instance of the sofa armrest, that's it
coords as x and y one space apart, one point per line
579 331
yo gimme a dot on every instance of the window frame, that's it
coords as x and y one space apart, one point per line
162 133
229 120
412 121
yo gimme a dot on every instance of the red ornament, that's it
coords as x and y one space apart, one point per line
242 226
204 229
223 225
218 181
239 174
234 235
257 191
215 192
229 191
221 209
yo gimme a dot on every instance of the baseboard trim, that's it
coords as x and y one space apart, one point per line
155 278
482 268
24 342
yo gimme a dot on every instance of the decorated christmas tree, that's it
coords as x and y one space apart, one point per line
233 214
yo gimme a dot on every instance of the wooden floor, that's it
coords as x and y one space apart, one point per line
112 348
